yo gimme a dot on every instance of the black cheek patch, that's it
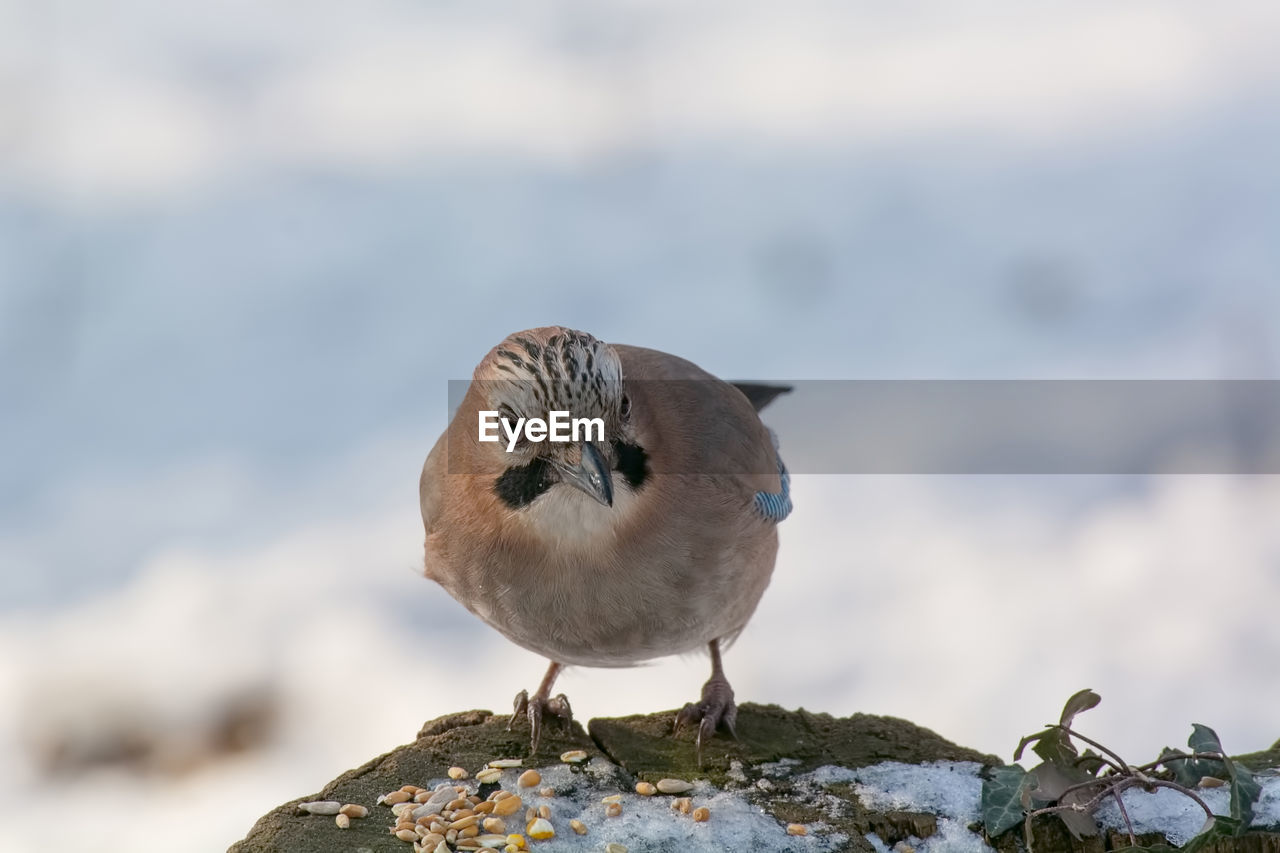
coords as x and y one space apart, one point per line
520 485
633 463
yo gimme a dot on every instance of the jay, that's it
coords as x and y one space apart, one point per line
654 536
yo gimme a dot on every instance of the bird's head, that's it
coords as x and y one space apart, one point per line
534 374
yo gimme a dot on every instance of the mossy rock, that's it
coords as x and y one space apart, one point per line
628 749
467 739
639 747
643 745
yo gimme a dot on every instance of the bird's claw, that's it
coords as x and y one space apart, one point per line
717 709
535 708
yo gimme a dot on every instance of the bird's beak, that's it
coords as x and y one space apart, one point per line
591 475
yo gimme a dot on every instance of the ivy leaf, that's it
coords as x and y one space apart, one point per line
1090 763
1189 771
1080 824
1054 745
1026 741
1204 739
1245 792
1051 784
1002 807
1082 701
1215 829
1245 789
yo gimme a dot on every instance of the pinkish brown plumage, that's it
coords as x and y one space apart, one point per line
606 553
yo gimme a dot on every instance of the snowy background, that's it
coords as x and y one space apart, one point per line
243 245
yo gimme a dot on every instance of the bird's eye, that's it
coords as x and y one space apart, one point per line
626 406
508 414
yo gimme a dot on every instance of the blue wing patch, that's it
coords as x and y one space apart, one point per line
776 506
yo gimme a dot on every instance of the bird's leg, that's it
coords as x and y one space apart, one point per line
538 704
717 707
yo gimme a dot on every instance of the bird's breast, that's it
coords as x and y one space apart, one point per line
590 585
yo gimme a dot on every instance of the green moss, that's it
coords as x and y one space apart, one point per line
643 747
1264 760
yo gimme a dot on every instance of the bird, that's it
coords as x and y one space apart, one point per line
655 537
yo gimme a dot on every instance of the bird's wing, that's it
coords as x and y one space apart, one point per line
761 394
698 424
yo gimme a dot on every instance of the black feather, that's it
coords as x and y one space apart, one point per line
633 463
759 394
520 485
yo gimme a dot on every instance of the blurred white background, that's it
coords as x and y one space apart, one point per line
243 245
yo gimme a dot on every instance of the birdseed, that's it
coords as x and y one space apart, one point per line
574 756
406 835
546 792
489 775
645 789
321 807
529 778
342 820
615 847
612 809
578 826
540 829
682 804
612 798
674 786
458 773
495 825
797 829
396 797
354 810
506 762
507 806
702 814
426 810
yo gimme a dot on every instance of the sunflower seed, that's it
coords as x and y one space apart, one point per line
674 786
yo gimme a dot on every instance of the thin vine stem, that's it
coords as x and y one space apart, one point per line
1119 762
1124 813
1161 783
1210 756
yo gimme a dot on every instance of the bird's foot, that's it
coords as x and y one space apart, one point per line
535 708
717 709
